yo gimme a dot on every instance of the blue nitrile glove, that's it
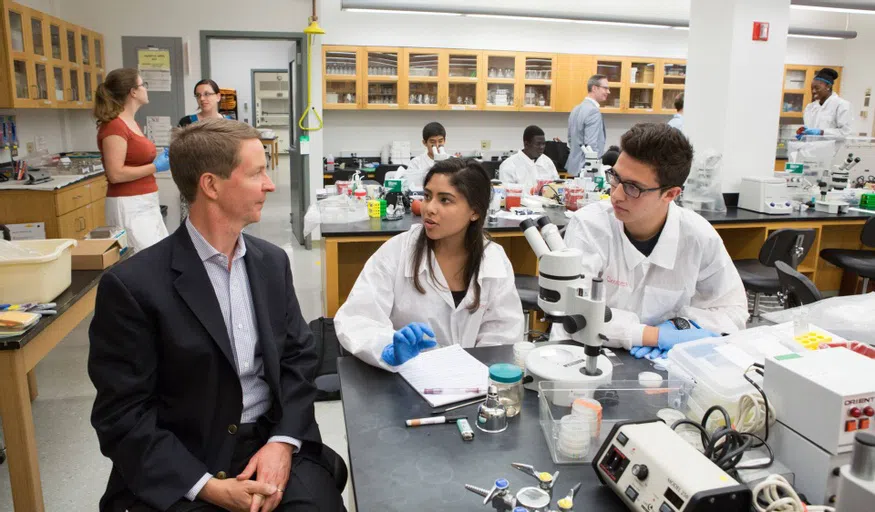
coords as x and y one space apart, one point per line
812 131
669 335
162 161
648 352
407 343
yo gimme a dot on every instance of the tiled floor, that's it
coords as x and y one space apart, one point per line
73 470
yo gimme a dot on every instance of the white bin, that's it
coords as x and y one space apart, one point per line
38 278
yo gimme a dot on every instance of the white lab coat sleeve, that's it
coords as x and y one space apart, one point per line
503 321
625 329
363 323
507 171
843 121
720 302
551 168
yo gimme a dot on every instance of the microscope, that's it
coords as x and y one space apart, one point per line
577 301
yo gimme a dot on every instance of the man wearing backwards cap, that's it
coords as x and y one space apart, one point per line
828 114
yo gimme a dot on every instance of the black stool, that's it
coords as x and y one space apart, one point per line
861 262
760 276
527 287
797 288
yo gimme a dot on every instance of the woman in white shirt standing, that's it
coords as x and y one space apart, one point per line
828 115
531 164
444 279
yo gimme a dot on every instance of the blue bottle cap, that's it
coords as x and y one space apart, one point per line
505 373
501 483
520 509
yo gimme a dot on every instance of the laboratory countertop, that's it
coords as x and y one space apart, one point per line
377 227
83 282
425 468
58 181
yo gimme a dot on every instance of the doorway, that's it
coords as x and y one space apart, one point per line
284 52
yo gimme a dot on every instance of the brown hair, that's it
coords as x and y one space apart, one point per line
208 146
472 181
663 148
111 95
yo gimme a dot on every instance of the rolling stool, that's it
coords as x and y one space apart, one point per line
527 287
861 262
760 276
797 288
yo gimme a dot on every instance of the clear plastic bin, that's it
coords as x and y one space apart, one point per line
35 270
574 439
712 369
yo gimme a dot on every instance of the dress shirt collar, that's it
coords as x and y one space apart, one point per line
206 251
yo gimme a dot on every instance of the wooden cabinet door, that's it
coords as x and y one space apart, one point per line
76 224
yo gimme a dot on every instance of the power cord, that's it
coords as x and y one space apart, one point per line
775 494
726 446
754 412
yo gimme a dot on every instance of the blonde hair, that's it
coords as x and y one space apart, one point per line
111 95
208 146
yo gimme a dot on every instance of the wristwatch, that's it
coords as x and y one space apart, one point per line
681 324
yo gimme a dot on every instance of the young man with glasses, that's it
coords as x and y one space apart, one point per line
585 124
667 275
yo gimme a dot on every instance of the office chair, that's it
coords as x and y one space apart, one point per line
798 290
861 262
759 275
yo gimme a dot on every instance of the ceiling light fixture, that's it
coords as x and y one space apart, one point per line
842 7
398 11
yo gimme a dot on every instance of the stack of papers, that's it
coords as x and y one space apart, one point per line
16 323
448 367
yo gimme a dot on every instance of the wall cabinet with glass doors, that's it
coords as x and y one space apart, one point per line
50 63
380 78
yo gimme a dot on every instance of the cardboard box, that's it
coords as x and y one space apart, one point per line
29 231
96 254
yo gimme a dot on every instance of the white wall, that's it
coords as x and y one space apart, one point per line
232 62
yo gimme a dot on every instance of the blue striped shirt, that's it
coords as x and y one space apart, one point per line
238 311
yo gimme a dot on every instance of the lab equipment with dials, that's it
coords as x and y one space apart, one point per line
822 398
765 195
650 467
578 302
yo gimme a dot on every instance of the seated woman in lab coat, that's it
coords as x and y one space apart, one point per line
529 165
443 279
667 276
434 136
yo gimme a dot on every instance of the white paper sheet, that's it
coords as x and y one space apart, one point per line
447 367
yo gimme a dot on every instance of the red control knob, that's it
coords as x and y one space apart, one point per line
855 412
869 411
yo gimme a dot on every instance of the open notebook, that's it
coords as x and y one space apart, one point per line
447 367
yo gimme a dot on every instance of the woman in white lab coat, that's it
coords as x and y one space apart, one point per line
828 115
443 279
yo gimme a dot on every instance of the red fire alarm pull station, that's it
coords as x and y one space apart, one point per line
760 31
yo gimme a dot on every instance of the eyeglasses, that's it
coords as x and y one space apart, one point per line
144 85
204 95
632 190
605 87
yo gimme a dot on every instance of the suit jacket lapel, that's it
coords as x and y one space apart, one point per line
258 288
194 286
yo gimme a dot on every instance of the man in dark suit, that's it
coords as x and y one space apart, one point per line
202 361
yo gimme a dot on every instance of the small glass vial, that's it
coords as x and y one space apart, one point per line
508 380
